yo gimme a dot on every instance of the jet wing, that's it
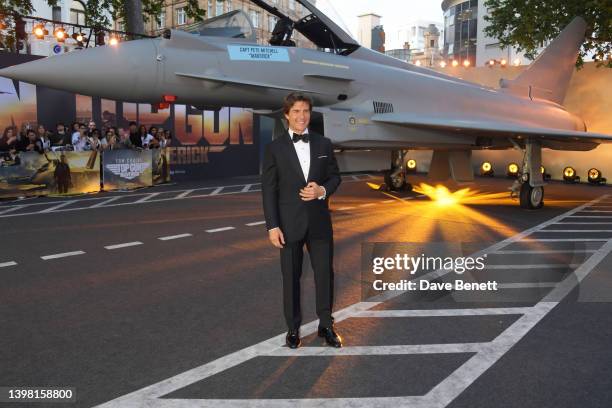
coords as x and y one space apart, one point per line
489 128
242 82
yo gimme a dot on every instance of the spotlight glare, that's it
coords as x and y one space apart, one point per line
60 34
503 62
417 63
486 169
569 175
39 31
455 63
411 165
595 177
466 63
442 64
513 170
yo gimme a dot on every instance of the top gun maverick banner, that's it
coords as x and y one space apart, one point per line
205 144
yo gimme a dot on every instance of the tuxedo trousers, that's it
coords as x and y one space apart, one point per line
321 252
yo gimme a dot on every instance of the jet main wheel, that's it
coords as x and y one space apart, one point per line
395 183
531 197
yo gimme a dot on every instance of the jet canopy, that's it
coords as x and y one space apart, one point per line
234 24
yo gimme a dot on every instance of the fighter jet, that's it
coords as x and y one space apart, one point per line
364 99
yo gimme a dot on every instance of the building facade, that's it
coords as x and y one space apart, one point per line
174 16
464 38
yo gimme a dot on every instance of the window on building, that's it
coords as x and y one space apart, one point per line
432 43
271 23
229 5
162 20
181 16
291 4
219 10
56 13
209 10
77 13
255 18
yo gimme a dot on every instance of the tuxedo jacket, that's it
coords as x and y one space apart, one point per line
282 179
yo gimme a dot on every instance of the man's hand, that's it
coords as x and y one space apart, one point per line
311 192
276 237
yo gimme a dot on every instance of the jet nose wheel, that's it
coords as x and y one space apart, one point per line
531 197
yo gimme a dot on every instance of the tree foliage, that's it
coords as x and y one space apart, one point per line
98 13
530 24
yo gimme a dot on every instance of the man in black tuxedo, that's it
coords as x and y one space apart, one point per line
300 173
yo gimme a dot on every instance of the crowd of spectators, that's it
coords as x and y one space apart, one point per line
82 137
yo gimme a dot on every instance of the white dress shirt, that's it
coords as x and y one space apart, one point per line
303 152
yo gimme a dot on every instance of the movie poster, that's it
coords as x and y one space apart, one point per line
127 169
50 173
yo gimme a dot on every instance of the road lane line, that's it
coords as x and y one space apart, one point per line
439 396
124 245
563 240
573 231
171 237
5 264
216 191
62 255
378 350
544 251
388 201
220 229
534 266
146 198
252 224
367 205
246 188
11 209
55 207
184 194
345 208
526 285
443 312
104 202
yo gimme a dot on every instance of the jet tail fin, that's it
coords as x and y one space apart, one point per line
549 75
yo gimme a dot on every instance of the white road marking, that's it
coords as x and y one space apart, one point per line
544 251
563 240
597 211
11 209
534 266
439 396
104 202
367 205
526 285
220 229
5 264
252 224
584 223
573 231
171 237
124 245
346 208
216 191
389 201
246 188
590 216
443 312
378 350
62 255
146 198
55 207
184 194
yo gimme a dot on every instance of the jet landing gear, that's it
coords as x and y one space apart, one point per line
530 183
395 179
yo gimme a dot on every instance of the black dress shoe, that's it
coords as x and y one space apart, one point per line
331 337
293 339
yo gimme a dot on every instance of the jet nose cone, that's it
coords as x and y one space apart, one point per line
126 71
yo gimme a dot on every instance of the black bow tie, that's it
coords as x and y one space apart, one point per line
297 137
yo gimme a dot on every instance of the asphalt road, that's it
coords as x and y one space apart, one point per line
174 293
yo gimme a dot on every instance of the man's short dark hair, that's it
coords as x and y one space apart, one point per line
294 97
133 124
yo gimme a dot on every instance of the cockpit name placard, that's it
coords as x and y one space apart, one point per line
257 53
